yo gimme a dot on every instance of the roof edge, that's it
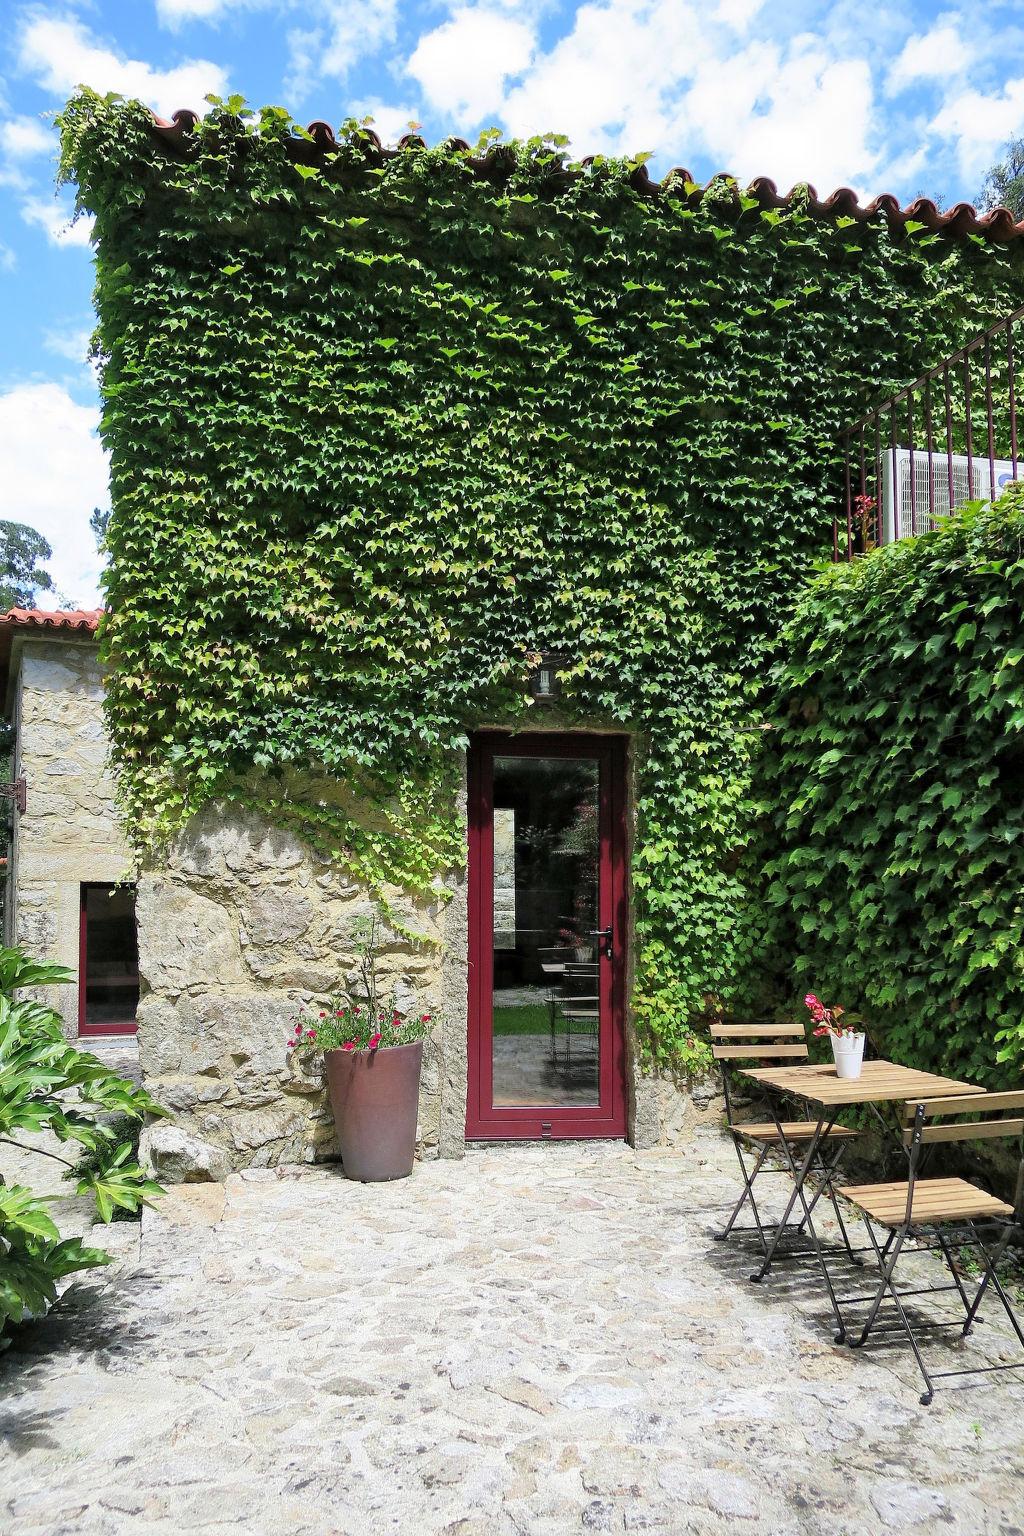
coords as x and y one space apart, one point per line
80 620
963 219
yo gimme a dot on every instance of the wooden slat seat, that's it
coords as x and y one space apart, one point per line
935 1200
756 1031
793 1130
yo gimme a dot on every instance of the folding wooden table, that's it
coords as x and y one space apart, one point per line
881 1083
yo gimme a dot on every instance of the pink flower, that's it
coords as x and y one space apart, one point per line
322 1014
349 1045
425 1018
310 1034
374 1041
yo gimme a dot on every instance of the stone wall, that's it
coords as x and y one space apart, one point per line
69 832
240 926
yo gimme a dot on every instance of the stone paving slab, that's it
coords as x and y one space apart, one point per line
531 1342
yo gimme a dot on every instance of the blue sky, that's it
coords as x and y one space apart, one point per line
908 97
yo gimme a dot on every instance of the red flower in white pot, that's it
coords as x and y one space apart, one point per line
845 1032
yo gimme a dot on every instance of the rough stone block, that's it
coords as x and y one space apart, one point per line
177 1157
186 941
224 837
275 917
262 1128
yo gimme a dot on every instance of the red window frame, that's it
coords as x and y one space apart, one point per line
547 1122
129 1027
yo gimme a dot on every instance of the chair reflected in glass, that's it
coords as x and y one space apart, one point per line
575 1013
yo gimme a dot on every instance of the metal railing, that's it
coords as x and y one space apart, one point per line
949 437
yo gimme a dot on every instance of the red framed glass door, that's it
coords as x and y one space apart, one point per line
547 931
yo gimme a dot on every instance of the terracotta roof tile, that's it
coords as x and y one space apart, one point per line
85 620
962 219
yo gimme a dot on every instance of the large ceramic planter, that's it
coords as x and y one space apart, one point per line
375 1098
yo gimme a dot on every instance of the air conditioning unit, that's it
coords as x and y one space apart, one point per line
906 511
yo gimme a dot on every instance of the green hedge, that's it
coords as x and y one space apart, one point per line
894 789
383 429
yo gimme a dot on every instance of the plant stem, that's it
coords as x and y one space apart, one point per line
38 1151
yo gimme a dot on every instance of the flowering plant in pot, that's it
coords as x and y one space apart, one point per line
842 1030
581 950
373 1054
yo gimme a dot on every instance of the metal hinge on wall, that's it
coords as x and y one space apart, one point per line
16 792
545 1130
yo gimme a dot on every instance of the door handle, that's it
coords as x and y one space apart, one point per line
604 937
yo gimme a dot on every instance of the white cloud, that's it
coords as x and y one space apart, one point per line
389 122
665 75
55 219
351 33
979 124
738 14
173 12
71 342
24 137
8 260
21 140
55 473
463 65
615 83
800 116
359 29
933 55
60 54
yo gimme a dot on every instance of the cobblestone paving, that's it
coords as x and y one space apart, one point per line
531 1342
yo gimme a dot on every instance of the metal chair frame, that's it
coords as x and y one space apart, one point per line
941 1226
575 1006
764 1044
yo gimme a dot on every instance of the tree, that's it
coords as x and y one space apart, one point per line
22 551
1004 184
98 523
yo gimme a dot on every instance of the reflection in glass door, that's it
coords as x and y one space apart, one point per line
547 921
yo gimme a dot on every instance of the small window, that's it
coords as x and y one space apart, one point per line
108 995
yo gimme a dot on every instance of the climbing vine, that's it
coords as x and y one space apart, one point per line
894 786
382 428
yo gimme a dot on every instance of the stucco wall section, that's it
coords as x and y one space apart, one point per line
69 832
239 927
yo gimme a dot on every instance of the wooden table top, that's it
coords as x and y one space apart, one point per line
879 1082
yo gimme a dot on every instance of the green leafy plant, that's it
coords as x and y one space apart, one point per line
383 429
46 1084
894 819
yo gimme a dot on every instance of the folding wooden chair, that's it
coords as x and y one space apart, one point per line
762 1045
941 1213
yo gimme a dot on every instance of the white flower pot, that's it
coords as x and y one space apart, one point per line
583 953
848 1051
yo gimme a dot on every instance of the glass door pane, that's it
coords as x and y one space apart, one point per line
110 955
546 977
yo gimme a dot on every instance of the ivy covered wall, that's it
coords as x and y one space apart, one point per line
895 788
382 427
